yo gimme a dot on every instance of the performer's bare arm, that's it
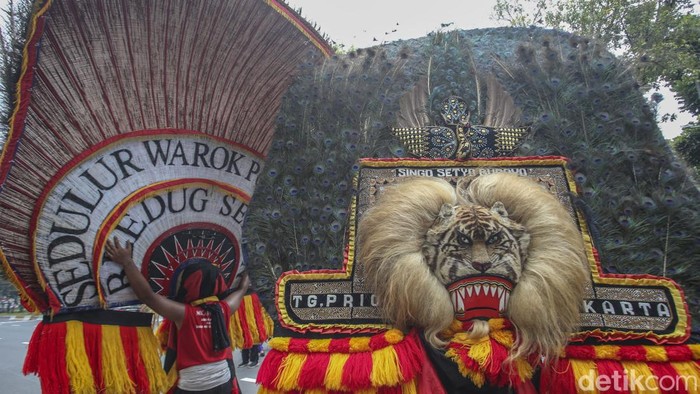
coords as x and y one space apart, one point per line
171 310
234 299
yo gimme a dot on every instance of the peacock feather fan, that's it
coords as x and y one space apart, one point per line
579 100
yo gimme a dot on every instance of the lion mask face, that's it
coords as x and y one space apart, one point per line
470 240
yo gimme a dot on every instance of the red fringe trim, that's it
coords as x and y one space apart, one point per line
267 374
247 338
615 372
356 371
259 319
310 377
663 369
558 378
52 368
31 361
138 373
92 336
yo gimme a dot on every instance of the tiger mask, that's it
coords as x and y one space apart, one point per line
423 234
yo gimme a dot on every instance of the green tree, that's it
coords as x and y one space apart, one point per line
660 39
688 146
13 28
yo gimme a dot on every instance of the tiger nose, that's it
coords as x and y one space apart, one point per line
481 267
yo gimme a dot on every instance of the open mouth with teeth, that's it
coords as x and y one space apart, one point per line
483 297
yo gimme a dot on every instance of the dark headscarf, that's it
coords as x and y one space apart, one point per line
195 280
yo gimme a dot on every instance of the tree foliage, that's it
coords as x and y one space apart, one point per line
661 39
688 146
13 30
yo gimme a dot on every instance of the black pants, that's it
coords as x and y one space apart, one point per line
251 354
225 388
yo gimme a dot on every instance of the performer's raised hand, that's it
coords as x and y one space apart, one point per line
120 255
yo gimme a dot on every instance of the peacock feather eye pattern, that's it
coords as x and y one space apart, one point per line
570 97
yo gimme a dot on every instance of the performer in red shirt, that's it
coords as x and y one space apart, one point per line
201 339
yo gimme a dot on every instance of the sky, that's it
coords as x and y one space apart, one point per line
357 23
364 23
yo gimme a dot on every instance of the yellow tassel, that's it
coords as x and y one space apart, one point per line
393 336
250 319
504 337
647 384
289 371
319 345
359 344
656 353
77 362
695 349
452 355
236 331
496 324
280 343
385 368
269 324
148 349
334 373
114 370
263 390
313 391
171 378
410 387
585 376
606 352
524 369
477 378
480 352
689 376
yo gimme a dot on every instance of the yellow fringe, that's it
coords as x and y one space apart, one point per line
504 337
635 369
525 370
452 355
77 362
148 349
334 373
480 352
236 332
171 378
585 376
250 319
359 344
384 371
690 375
656 353
695 349
319 345
280 343
114 370
204 300
393 336
606 352
410 387
290 370
269 324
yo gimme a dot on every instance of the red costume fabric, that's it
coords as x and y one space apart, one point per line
194 339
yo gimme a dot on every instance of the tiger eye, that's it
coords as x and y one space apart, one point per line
463 239
493 239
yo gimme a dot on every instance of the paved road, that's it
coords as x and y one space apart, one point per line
14 337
